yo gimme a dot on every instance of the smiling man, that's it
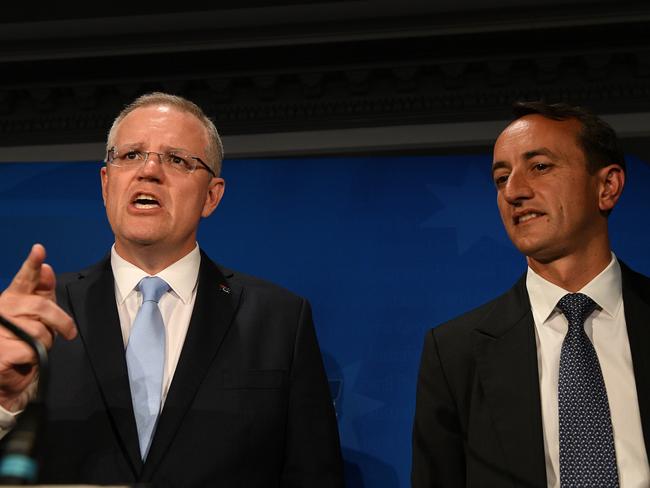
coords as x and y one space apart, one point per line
180 372
549 384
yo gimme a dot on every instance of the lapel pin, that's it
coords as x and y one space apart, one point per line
224 289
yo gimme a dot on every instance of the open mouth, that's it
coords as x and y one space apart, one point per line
520 219
145 201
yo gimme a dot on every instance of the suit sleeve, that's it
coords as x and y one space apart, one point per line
438 442
313 454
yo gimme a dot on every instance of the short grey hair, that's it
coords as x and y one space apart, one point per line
214 151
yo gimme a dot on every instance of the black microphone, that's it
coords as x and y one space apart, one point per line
17 465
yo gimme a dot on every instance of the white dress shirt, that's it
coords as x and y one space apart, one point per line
608 332
175 306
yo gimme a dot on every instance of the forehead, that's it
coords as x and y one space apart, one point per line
535 131
161 124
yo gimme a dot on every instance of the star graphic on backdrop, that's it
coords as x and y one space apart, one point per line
12 178
353 406
26 190
469 207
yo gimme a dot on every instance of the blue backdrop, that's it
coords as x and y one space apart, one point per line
384 247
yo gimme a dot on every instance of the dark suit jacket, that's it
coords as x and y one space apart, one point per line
249 404
478 418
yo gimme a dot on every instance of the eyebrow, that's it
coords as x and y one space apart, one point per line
175 148
498 165
139 145
542 151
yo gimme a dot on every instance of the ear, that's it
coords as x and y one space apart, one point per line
216 187
611 182
104 177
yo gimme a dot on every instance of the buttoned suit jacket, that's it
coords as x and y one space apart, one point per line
478 420
248 406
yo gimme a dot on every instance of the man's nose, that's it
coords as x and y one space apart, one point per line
517 188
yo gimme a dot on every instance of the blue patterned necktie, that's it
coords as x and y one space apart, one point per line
587 453
145 359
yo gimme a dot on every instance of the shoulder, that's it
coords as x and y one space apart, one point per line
493 317
95 271
635 282
81 281
633 278
269 312
468 321
453 339
259 286
450 347
253 288
63 279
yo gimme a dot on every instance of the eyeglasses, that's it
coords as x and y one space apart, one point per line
181 161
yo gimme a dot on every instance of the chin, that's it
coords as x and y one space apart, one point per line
534 250
142 240
543 255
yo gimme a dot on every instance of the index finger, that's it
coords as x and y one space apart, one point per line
29 274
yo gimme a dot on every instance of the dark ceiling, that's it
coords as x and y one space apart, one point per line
262 67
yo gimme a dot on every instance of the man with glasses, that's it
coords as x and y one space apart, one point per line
179 372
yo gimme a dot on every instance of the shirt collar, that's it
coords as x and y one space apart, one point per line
605 289
181 276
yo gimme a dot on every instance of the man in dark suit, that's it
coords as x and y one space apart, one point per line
491 407
241 398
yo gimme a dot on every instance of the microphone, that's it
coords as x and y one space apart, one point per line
17 465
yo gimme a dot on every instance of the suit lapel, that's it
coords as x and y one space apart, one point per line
506 356
636 299
92 298
214 309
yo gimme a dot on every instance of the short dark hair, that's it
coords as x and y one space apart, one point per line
597 138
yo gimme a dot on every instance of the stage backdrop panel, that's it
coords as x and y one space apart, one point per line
384 248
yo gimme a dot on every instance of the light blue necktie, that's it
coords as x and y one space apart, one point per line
145 358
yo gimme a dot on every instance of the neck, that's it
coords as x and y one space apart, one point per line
151 258
572 272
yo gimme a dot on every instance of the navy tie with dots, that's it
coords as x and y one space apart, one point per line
587 453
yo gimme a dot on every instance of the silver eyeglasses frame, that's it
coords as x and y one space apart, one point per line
165 159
